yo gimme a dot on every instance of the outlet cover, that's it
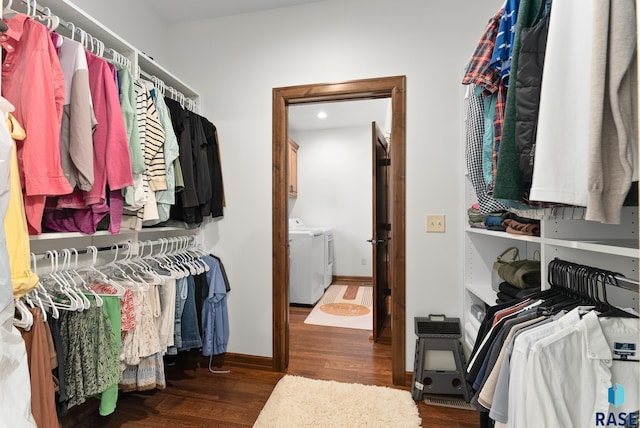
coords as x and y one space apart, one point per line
435 223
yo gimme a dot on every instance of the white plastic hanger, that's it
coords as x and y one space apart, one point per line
136 271
120 290
65 273
113 265
7 12
199 267
167 263
40 291
60 286
145 267
50 20
191 248
83 283
65 284
177 262
26 317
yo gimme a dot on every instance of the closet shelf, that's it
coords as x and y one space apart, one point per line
482 291
72 235
153 68
69 12
124 234
502 235
618 247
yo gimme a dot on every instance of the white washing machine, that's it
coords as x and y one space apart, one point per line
296 224
306 266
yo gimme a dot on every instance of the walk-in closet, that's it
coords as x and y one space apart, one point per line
144 179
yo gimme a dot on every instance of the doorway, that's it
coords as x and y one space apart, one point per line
387 87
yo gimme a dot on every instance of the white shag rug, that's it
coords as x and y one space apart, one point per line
344 306
300 402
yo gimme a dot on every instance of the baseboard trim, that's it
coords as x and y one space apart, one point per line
243 360
409 379
361 280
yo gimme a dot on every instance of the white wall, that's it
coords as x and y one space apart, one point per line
334 190
134 22
237 61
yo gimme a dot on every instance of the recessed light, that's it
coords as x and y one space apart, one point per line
322 115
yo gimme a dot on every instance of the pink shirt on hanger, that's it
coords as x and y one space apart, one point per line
111 159
33 82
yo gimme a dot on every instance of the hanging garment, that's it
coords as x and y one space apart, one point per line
15 387
190 329
109 397
505 40
215 317
153 150
137 195
187 206
166 198
128 106
227 286
15 222
40 354
142 341
78 119
143 364
154 146
83 211
165 323
507 181
32 80
55 326
580 358
216 203
182 291
527 87
561 154
109 138
474 122
92 352
613 145
486 391
478 70
147 375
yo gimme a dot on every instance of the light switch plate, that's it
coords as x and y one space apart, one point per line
435 223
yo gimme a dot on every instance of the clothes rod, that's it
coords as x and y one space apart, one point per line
87 250
627 283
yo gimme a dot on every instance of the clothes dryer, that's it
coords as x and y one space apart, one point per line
296 224
306 266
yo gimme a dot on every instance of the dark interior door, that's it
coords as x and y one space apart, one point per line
381 228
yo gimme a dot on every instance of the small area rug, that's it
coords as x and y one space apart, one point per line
347 306
300 402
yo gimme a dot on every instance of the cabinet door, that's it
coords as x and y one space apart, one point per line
293 169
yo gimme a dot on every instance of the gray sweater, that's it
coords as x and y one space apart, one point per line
614 109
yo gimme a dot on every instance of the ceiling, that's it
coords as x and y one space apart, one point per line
340 114
174 11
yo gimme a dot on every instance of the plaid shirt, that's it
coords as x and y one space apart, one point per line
478 71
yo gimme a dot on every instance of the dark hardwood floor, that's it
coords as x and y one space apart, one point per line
194 397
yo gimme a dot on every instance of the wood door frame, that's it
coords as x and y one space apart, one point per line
384 87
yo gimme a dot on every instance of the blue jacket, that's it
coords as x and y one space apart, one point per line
215 318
